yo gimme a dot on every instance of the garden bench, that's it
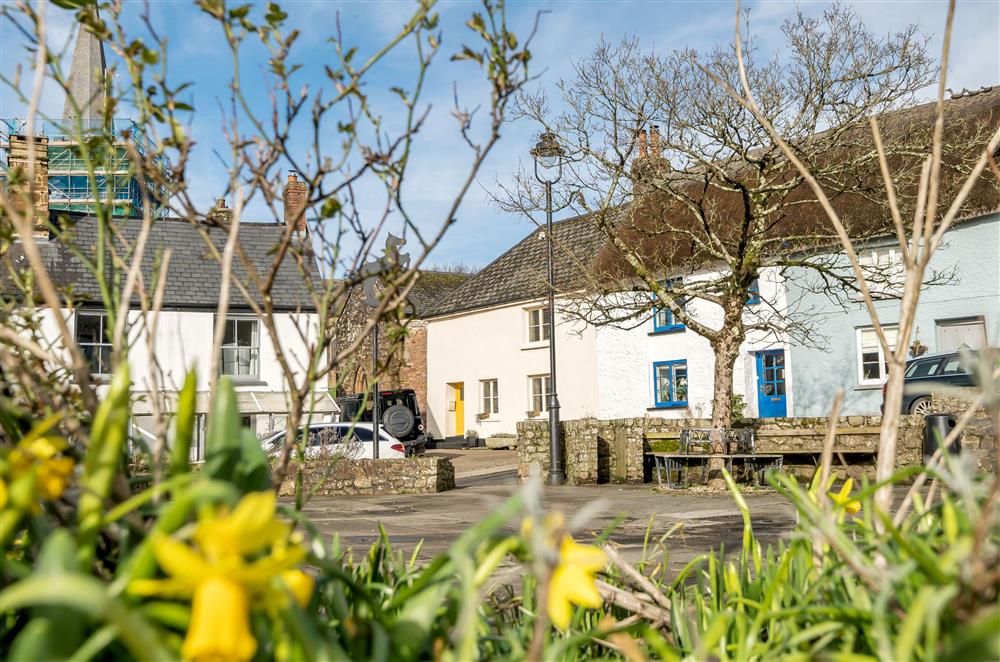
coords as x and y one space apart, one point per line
669 464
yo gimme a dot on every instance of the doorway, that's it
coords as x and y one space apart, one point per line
456 405
771 401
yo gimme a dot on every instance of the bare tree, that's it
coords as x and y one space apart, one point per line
697 199
328 131
920 228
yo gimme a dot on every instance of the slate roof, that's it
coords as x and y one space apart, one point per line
433 287
194 276
520 273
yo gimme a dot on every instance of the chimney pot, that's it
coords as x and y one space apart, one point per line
220 203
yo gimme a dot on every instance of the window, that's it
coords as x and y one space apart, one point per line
541 387
923 368
873 367
240 348
663 318
753 297
953 366
539 328
94 338
490 397
670 383
883 270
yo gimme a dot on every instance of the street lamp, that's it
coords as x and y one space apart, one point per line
549 156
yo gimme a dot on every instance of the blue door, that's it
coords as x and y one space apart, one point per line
771 383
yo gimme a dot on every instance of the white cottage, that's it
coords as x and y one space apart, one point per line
488 361
185 327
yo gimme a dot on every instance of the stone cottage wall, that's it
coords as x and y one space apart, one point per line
423 475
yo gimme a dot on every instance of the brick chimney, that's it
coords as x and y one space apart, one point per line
220 212
295 202
643 150
38 187
654 141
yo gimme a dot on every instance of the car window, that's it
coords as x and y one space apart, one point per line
923 368
953 366
360 434
323 437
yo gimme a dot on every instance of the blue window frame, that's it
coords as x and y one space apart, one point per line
670 383
663 318
754 296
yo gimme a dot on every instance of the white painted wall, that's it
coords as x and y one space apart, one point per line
625 360
493 344
184 340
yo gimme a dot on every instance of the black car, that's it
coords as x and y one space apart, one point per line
398 410
926 374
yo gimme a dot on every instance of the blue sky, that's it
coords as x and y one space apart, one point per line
569 30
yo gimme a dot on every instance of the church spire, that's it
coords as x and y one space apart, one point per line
87 78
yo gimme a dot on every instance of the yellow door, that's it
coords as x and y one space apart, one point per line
459 394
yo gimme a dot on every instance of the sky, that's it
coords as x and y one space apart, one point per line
568 31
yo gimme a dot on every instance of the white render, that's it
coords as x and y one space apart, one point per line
184 341
492 343
605 371
626 357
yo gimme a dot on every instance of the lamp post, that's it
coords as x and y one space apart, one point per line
549 156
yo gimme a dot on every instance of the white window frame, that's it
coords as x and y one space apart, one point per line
489 397
543 383
538 321
891 332
884 271
98 346
254 348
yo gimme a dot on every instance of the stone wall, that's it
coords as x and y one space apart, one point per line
979 438
615 450
423 475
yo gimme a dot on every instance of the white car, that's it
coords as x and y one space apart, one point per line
351 440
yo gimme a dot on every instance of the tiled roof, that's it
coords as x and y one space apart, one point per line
194 276
520 273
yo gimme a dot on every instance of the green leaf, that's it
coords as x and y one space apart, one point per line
222 443
330 208
103 458
254 469
184 424
90 598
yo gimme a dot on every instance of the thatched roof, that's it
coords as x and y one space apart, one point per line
670 237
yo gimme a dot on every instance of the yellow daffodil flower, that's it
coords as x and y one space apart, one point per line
220 623
223 581
573 581
842 500
39 458
300 585
3 494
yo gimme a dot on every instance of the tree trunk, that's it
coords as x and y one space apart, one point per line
726 347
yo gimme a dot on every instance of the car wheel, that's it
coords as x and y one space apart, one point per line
921 406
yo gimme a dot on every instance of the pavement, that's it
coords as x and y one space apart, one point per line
485 478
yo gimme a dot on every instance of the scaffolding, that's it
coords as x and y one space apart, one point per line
69 181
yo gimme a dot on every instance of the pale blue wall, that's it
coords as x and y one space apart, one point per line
972 249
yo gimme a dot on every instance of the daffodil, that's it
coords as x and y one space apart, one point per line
573 580
220 623
843 501
39 459
238 558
